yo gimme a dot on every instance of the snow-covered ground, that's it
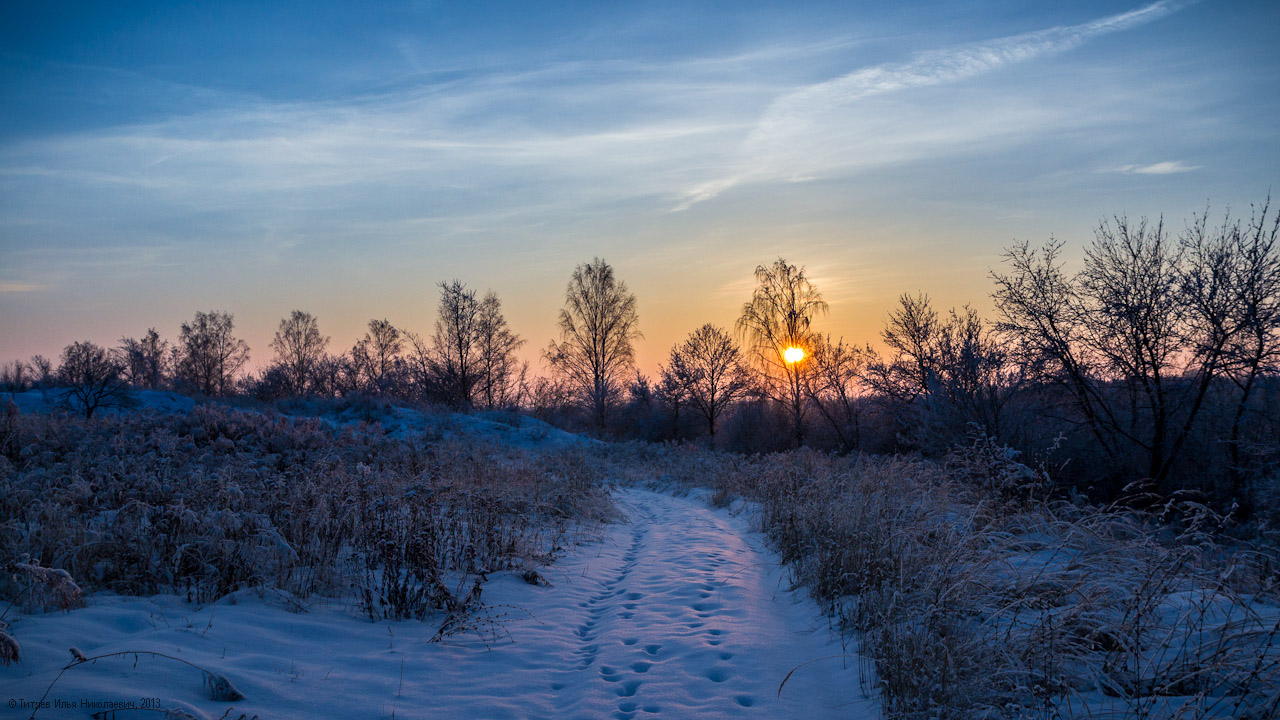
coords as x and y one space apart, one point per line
37 401
510 428
679 613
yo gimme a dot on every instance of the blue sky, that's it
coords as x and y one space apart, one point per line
159 159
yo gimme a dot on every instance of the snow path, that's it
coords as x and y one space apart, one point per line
680 613
682 616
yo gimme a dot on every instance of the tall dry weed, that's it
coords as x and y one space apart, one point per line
220 499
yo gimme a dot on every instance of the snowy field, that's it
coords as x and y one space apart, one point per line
293 551
679 612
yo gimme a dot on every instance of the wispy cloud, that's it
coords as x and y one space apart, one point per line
570 135
18 287
512 151
787 128
1171 167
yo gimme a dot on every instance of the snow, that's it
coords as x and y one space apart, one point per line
38 401
680 612
510 428
396 420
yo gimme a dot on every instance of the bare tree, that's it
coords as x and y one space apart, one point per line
837 386
209 354
92 377
1234 284
299 349
1133 316
41 371
976 379
912 333
947 374
422 368
1138 336
330 376
597 327
708 366
15 376
375 359
778 317
147 361
1045 317
669 394
547 396
497 346
454 356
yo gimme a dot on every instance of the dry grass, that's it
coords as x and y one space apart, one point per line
217 500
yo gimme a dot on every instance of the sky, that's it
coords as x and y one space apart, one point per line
158 159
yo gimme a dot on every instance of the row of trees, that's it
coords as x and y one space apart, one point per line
469 361
206 359
1158 360
1156 345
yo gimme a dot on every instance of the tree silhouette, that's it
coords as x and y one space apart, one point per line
299 349
597 328
708 367
375 358
455 355
778 317
92 377
497 346
209 355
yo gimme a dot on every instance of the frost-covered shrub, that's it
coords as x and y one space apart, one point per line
9 648
993 468
35 588
204 503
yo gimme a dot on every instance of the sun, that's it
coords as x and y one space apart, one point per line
793 355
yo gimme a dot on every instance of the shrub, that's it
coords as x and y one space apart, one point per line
220 499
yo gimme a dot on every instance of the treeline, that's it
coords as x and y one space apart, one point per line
1157 362
469 361
1150 371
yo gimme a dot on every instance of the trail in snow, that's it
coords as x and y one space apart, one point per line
687 618
679 613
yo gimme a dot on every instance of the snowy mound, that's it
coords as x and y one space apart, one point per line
509 428
43 401
516 429
397 421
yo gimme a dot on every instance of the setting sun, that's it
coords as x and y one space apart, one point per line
793 355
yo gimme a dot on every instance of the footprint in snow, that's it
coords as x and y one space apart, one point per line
629 688
718 675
